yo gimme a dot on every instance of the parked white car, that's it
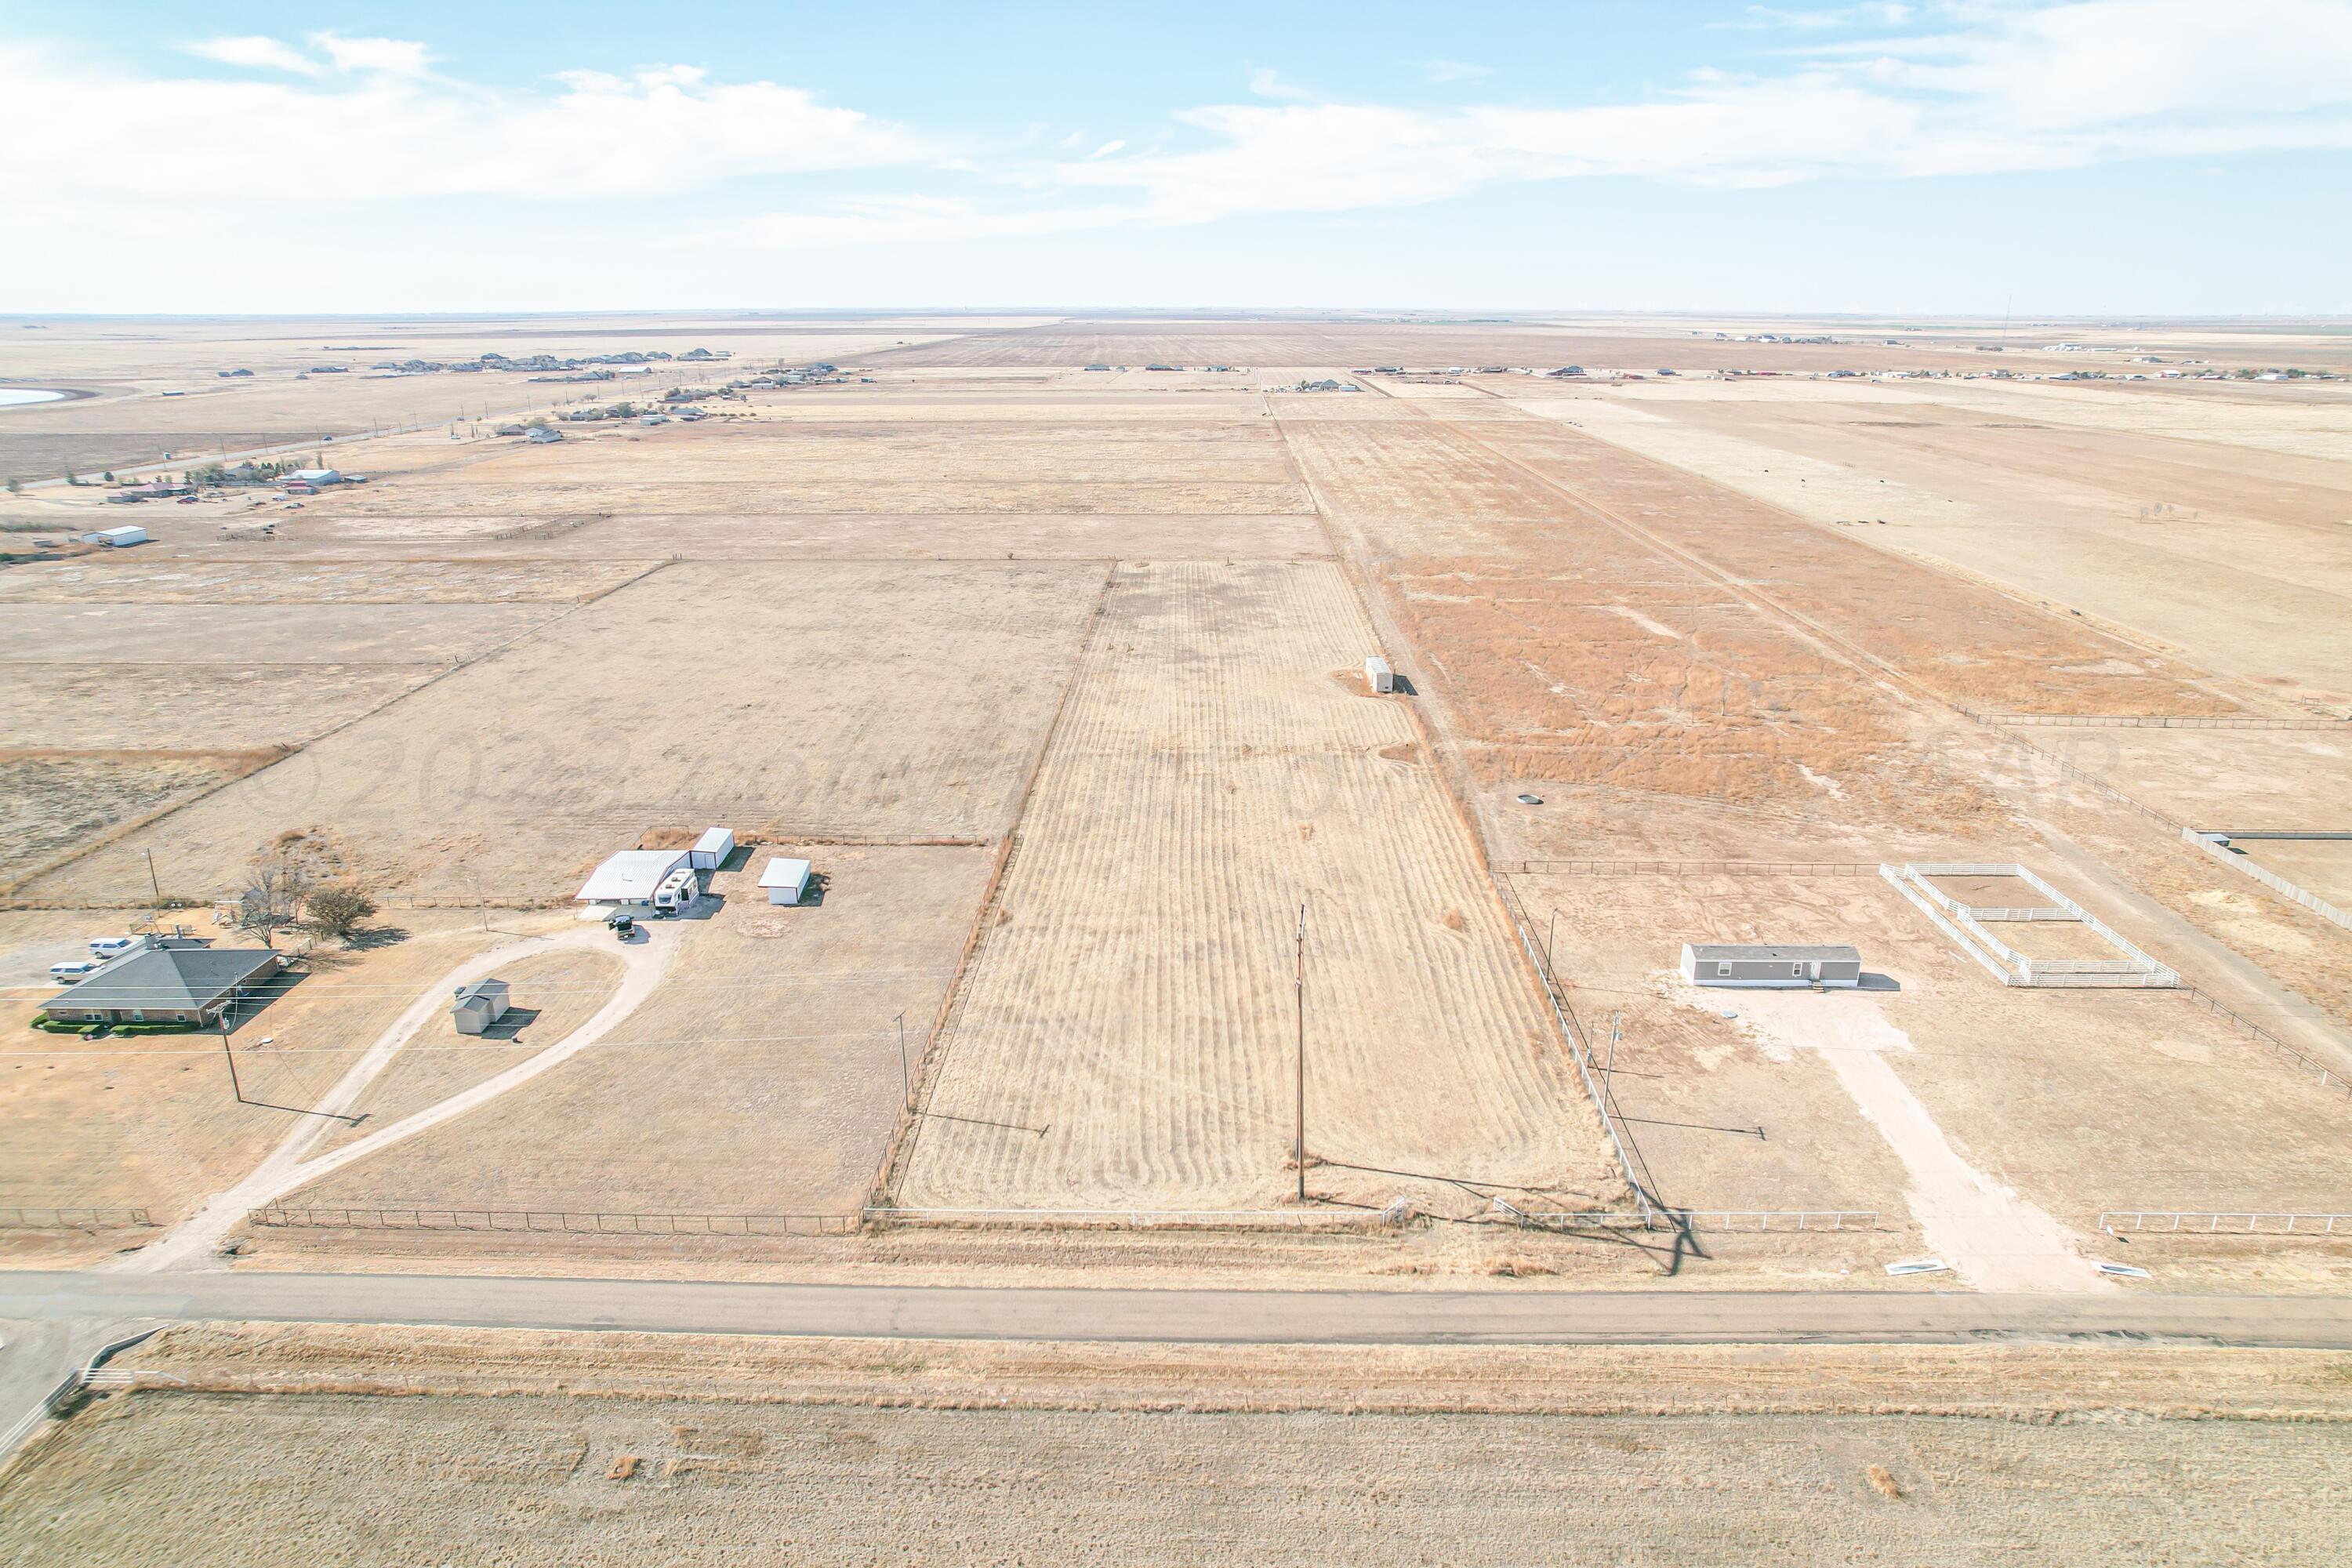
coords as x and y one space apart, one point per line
73 969
111 946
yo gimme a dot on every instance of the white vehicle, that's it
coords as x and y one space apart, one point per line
677 893
111 946
74 969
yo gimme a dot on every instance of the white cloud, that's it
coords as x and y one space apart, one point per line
2023 88
1454 70
265 54
1107 149
368 125
1267 82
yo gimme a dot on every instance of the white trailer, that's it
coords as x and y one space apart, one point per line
1378 675
711 850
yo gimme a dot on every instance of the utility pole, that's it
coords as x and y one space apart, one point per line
152 881
230 1057
1550 931
906 1076
1298 1133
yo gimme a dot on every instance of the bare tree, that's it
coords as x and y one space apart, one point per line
282 875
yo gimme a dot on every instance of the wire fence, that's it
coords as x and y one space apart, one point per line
1148 1219
554 1221
2250 1223
2329 1076
1705 1221
2160 721
1697 867
73 1219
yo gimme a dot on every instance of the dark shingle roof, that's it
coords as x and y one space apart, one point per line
172 979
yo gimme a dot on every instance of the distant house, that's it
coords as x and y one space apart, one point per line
225 375
508 430
478 1005
542 433
1771 967
165 986
317 478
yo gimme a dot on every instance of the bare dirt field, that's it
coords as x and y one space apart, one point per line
2320 866
2218 779
1125 1033
2079 1101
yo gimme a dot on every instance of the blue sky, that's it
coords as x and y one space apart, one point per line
2082 157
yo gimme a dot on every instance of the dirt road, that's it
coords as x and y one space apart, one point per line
1239 1317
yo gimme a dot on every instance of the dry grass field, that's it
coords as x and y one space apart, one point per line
826 702
1125 1034
1118 619
542 1478
2080 1102
763 1077
151 1122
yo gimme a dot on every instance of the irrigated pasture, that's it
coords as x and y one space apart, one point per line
899 701
1125 1034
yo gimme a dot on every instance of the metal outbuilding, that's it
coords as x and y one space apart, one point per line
1769 966
787 881
711 850
628 881
1378 675
478 1005
116 538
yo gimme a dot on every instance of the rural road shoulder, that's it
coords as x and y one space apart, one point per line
1691 1317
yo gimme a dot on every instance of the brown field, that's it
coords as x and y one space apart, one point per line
2320 866
151 1121
516 773
2217 779
1113 622
2082 1102
547 1478
762 1079
1124 1034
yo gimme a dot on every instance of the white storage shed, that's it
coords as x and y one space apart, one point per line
711 850
478 1005
116 538
628 881
1378 675
787 881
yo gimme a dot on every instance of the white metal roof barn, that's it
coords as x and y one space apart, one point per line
631 876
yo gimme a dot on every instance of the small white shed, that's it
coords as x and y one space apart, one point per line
1378 675
478 1005
115 538
787 881
711 850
